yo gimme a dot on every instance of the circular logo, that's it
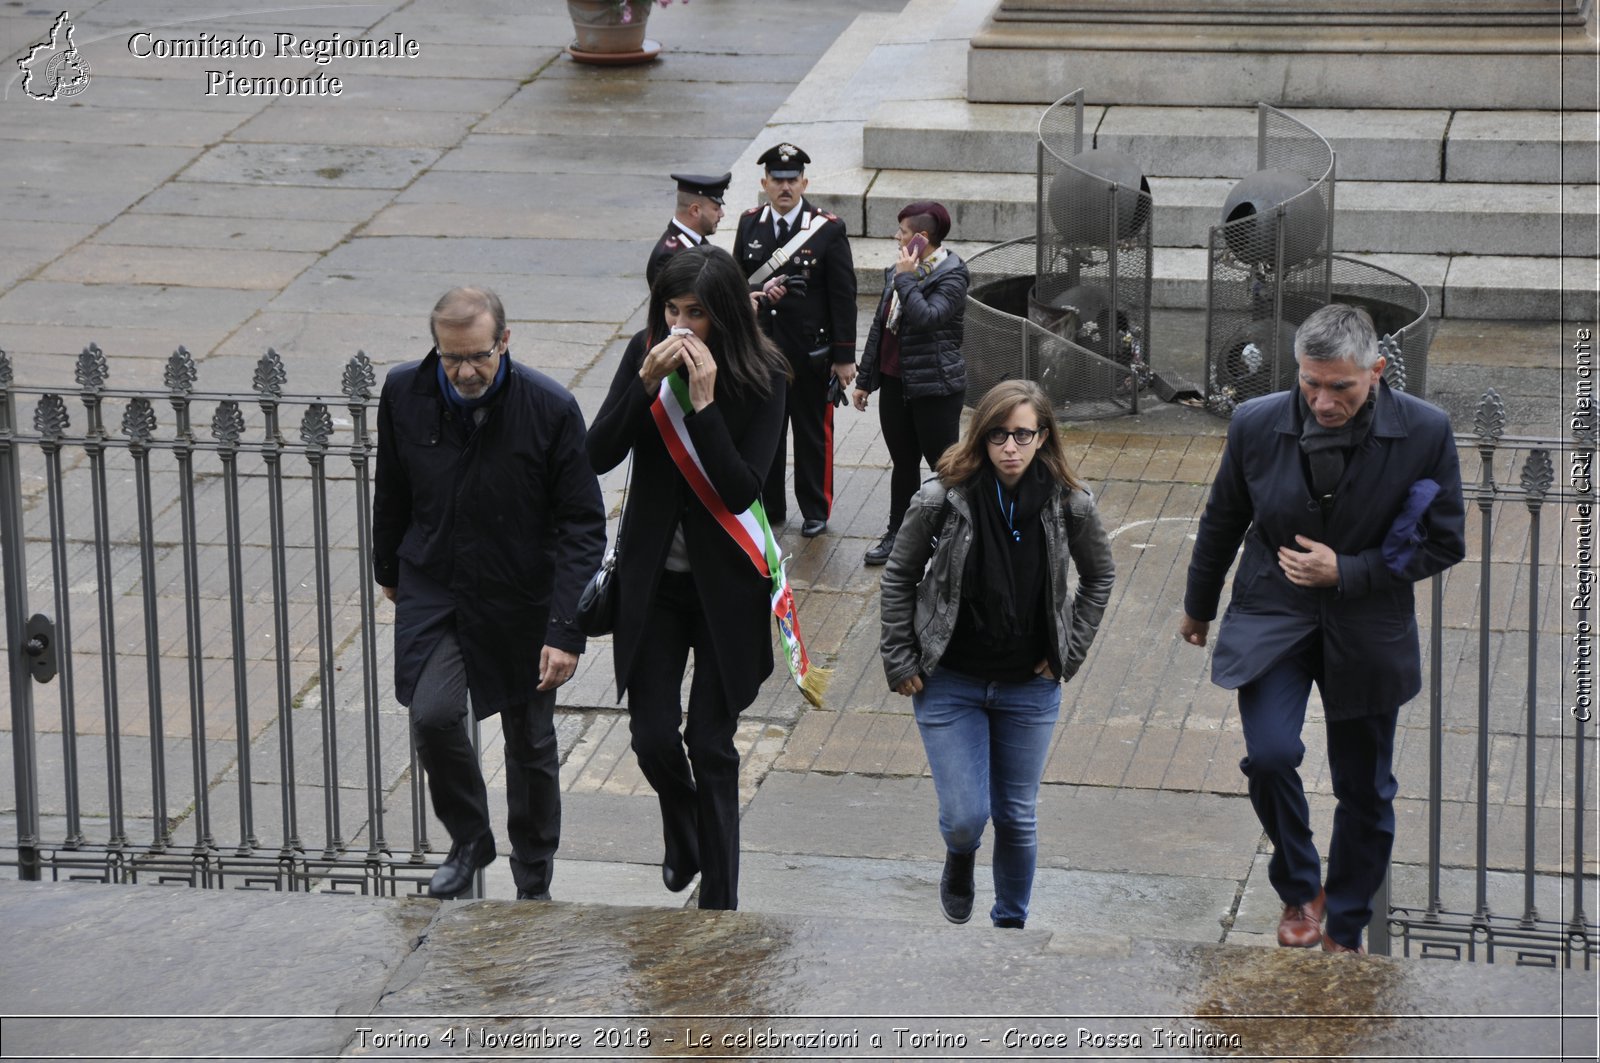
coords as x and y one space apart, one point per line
68 72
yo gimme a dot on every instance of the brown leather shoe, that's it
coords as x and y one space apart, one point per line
1300 926
1330 945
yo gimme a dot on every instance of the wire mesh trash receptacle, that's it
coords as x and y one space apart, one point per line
1401 313
1269 262
1093 242
1003 343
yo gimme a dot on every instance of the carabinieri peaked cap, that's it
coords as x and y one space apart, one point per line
713 188
785 160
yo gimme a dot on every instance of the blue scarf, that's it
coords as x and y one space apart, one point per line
465 405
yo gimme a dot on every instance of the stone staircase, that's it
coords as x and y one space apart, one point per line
1493 212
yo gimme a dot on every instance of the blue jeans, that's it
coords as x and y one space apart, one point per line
987 743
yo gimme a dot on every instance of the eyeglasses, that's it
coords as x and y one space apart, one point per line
997 436
456 361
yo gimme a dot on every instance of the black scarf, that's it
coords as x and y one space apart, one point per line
1327 450
1007 552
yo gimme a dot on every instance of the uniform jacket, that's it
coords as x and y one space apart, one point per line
825 316
500 528
1367 625
933 315
736 437
672 241
921 602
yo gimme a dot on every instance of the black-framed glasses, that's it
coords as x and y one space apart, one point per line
997 436
456 361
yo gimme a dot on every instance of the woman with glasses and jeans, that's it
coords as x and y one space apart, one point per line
683 582
913 355
981 625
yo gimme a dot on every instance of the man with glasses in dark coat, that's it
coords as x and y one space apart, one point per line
487 523
1344 494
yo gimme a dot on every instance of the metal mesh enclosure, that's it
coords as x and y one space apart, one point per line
1399 308
1270 262
1001 343
1094 235
1071 307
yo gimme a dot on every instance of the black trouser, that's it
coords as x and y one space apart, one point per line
455 779
914 430
699 793
807 409
1272 712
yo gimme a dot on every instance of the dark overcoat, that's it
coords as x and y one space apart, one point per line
825 315
498 528
672 241
1367 625
736 437
933 318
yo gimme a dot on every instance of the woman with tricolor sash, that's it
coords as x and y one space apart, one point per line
982 624
698 401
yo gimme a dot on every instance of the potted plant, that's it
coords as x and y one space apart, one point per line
612 31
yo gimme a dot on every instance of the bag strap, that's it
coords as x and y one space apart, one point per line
812 226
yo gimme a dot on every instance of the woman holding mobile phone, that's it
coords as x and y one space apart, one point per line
913 356
698 400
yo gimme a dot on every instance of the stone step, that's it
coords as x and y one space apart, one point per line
1371 216
1526 147
1488 287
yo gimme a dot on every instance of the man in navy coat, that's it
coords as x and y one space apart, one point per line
487 522
1344 494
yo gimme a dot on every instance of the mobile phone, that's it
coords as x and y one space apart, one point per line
916 246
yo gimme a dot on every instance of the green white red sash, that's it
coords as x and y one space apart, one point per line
750 530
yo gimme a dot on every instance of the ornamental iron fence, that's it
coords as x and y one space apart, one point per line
248 532
205 554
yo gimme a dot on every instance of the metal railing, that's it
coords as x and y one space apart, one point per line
251 533
250 539
1548 718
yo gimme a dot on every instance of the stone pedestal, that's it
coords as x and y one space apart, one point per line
1468 54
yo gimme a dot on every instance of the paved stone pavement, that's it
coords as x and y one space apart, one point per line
145 214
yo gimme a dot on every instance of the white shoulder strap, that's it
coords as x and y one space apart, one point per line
809 227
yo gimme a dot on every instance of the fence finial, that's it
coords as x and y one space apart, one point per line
227 423
50 417
316 426
92 371
359 379
270 376
1490 421
1537 474
139 421
181 372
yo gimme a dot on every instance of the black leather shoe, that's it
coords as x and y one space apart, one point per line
529 895
813 528
454 876
677 880
880 554
1008 923
956 889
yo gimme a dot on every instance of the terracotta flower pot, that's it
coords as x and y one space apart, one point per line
600 29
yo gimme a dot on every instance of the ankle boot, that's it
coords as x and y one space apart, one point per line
956 890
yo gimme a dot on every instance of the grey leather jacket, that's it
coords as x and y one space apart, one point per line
920 601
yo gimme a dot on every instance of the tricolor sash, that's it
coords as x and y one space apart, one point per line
750 530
